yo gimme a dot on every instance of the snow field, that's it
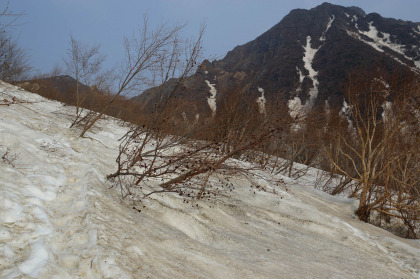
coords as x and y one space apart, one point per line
59 218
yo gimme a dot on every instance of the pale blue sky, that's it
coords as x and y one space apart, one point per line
47 24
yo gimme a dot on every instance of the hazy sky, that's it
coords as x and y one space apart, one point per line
46 24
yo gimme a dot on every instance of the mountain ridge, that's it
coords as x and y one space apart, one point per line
307 55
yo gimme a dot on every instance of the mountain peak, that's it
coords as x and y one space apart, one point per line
309 55
357 11
333 8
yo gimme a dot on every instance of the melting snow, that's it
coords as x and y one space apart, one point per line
385 41
372 44
346 112
387 107
83 229
36 260
296 109
329 23
381 42
346 108
308 58
295 105
323 37
417 30
301 76
261 101
212 99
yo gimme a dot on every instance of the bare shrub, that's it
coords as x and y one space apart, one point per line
296 148
379 152
153 57
156 158
84 62
14 62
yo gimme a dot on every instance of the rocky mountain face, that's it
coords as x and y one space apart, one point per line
306 57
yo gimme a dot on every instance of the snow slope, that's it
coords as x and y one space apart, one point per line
60 219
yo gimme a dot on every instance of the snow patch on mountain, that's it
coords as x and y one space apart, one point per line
212 99
296 108
346 112
372 44
323 37
380 42
387 110
355 19
417 30
301 76
261 101
384 41
308 57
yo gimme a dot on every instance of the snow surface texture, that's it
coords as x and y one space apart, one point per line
212 99
60 219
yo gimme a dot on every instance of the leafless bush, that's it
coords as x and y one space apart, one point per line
296 148
7 18
155 158
14 63
84 62
153 57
